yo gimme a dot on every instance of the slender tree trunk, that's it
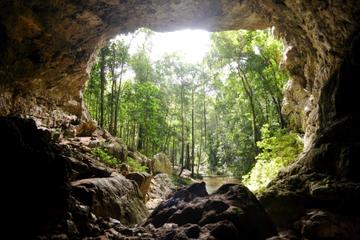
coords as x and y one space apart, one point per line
102 86
133 136
140 143
204 113
182 131
200 153
187 161
111 102
250 95
117 100
173 152
192 132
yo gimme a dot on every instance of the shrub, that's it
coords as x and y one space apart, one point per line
135 166
279 148
105 157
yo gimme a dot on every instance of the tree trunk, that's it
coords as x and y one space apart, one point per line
250 95
192 132
139 145
102 86
187 161
182 130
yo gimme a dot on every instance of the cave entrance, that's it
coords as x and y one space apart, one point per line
210 101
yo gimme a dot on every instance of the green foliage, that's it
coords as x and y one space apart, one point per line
279 148
135 166
105 157
227 98
247 82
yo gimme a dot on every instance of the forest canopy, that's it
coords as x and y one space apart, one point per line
221 115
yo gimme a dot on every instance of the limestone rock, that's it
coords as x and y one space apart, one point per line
161 164
115 197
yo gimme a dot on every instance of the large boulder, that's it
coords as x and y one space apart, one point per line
232 212
115 197
161 164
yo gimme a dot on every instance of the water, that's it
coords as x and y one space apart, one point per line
214 182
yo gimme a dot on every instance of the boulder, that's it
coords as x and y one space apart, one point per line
115 197
161 164
232 212
143 181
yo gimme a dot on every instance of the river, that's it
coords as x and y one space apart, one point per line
214 182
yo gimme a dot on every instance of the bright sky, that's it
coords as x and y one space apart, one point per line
189 43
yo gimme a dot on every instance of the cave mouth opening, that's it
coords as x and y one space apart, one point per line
217 94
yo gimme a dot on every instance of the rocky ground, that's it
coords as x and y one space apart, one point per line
75 196
60 190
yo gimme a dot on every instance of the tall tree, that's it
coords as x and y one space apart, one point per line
102 84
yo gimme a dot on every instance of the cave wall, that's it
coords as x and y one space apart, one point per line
47 48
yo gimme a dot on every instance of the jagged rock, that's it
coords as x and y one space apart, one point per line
161 164
115 197
232 212
143 181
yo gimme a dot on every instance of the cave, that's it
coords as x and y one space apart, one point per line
47 48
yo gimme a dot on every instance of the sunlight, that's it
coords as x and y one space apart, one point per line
191 44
